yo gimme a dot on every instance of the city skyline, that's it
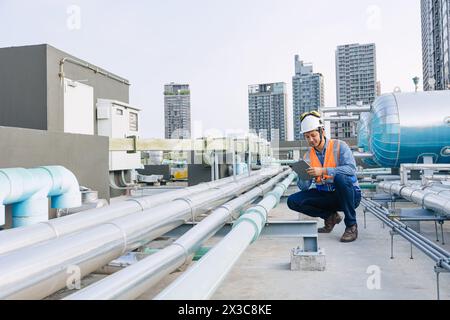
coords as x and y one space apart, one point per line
223 51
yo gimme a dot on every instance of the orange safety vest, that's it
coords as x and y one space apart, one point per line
331 154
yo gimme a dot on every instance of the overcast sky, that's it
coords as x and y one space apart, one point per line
218 47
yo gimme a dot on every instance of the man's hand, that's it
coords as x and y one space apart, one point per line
316 172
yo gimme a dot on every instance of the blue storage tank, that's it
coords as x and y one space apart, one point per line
363 130
405 127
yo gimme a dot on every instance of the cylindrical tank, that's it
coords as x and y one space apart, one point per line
405 127
363 130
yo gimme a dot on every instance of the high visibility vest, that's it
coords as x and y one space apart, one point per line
331 159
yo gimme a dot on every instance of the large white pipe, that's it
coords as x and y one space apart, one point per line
204 277
14 239
28 191
134 280
38 271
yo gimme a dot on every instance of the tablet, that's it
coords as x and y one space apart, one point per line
300 168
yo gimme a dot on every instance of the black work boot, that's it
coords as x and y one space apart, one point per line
350 234
330 222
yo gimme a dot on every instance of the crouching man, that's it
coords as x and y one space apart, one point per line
333 186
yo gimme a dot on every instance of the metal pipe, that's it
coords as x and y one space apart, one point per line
341 119
405 167
38 271
349 109
362 155
26 236
398 224
421 245
205 276
438 201
90 67
216 166
437 177
133 281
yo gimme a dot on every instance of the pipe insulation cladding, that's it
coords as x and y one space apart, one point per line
38 271
14 239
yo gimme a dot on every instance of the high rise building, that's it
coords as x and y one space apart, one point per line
267 105
177 111
308 93
436 44
356 82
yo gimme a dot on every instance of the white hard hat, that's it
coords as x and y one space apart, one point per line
311 122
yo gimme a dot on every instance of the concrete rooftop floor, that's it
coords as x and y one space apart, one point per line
263 271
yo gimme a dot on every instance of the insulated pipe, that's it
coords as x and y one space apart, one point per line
38 271
438 177
363 155
204 277
438 201
352 109
341 119
134 280
28 191
13 239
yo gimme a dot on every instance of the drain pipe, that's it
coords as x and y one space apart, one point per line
134 280
14 239
38 271
205 276
28 191
86 65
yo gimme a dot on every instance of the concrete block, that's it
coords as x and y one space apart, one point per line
307 261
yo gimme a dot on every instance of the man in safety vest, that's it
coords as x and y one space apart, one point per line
333 186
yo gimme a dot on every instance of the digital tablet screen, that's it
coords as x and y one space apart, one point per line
300 168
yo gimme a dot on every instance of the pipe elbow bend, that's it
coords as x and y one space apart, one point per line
65 192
